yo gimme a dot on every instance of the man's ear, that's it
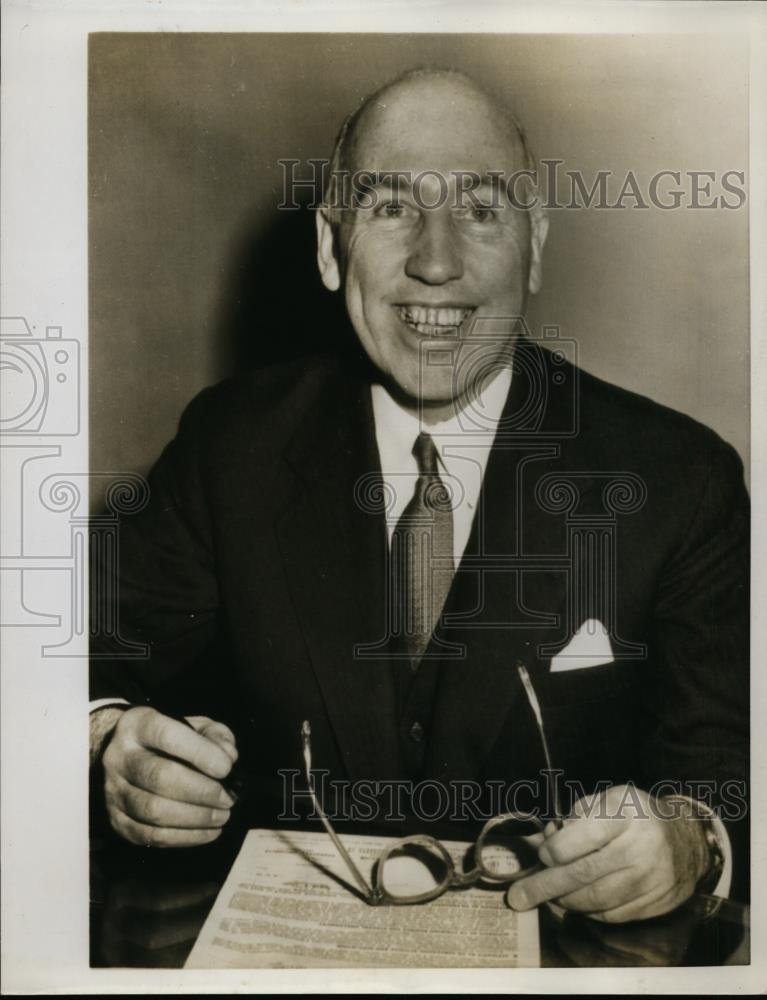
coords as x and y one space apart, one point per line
539 228
326 256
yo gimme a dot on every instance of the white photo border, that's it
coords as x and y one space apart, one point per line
45 940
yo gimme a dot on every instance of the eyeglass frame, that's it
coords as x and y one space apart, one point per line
377 895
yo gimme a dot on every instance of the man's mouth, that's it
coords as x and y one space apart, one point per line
430 321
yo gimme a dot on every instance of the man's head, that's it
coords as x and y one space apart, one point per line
426 253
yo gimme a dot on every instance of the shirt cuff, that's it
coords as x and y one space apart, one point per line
717 827
105 702
725 879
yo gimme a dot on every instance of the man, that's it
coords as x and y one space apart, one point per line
377 545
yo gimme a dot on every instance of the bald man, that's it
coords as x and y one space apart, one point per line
384 544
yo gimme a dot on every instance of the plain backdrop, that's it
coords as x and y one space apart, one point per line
195 272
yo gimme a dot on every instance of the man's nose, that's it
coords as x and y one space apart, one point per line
435 257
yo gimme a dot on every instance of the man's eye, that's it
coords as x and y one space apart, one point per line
479 213
391 210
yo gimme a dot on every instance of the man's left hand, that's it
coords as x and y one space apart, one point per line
615 861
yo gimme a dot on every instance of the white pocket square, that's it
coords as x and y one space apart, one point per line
589 647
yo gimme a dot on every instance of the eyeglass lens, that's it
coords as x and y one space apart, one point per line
508 849
412 870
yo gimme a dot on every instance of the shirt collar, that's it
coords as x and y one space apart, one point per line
397 427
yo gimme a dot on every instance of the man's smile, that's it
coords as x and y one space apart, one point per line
433 321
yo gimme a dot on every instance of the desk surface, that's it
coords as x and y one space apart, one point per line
148 906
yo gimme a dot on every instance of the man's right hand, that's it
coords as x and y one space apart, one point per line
162 779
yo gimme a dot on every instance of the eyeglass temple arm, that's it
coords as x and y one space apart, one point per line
306 733
533 699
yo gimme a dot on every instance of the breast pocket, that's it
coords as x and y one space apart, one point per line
570 687
596 719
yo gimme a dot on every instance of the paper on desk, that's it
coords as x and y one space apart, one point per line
287 904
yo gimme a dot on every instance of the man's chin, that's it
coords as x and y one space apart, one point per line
431 398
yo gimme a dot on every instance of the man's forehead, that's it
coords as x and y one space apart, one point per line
442 123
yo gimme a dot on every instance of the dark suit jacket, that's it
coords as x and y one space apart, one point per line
256 575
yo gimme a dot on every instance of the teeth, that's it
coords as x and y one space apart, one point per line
422 316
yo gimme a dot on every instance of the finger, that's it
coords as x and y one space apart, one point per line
551 828
551 883
212 729
611 891
174 780
624 801
652 903
221 734
169 736
156 810
160 836
579 837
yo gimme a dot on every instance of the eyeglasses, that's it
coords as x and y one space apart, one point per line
497 850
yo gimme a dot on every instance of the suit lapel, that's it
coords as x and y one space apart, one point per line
333 542
510 593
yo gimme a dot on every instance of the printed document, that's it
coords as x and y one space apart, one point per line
290 902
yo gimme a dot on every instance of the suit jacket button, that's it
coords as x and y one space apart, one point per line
416 732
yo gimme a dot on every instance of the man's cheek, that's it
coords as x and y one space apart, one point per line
375 249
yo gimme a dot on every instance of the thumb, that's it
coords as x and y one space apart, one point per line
217 732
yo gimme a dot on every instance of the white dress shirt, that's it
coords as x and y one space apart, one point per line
463 444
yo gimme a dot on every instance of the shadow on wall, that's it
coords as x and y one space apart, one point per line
274 306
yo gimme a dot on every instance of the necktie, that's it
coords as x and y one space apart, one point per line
422 555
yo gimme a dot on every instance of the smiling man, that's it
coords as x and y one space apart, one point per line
377 544
431 255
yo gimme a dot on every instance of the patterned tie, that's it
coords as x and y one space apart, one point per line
422 556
